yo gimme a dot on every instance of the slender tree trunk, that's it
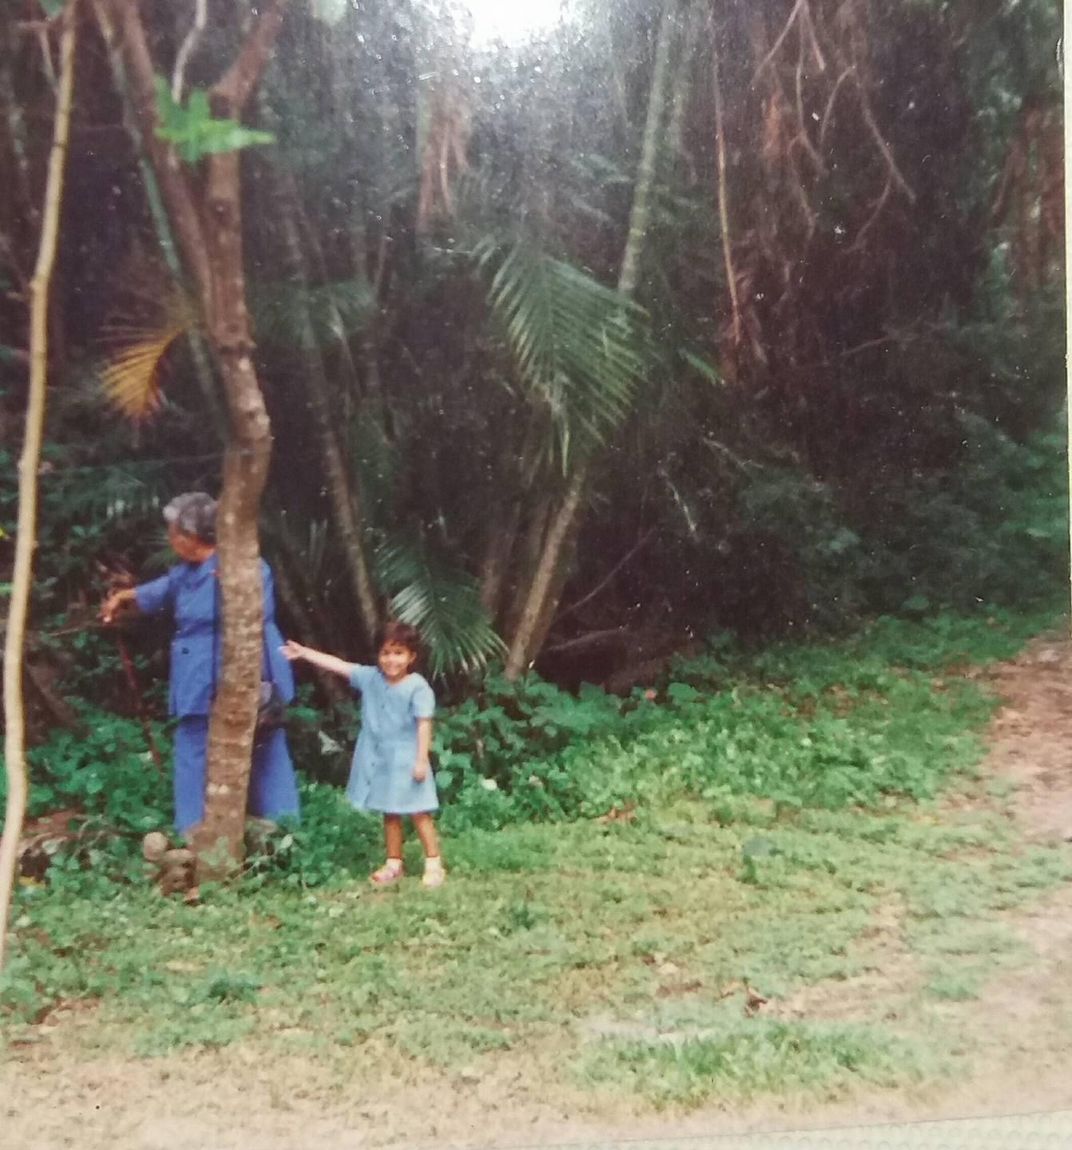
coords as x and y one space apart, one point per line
121 20
245 472
640 216
342 491
724 201
525 563
26 538
682 84
207 225
558 581
501 535
522 650
505 522
542 598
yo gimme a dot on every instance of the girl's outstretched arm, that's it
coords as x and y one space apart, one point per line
296 652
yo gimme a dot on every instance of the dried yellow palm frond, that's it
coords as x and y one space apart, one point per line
132 373
132 378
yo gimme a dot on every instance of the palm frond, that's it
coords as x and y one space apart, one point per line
442 602
579 346
132 379
335 310
131 374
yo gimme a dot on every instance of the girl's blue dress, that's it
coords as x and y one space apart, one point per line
381 777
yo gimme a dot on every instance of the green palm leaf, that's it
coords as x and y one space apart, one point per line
442 602
337 311
579 346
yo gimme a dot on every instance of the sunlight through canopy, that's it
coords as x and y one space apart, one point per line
511 23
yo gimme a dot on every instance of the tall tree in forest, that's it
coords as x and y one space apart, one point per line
205 210
549 575
26 540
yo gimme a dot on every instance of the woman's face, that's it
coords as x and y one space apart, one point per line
188 548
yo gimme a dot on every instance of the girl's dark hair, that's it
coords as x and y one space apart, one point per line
402 634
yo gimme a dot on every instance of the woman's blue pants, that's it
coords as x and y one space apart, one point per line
273 786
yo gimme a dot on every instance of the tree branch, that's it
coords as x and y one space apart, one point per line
26 533
189 46
123 32
236 85
880 203
797 8
884 148
824 126
802 134
806 18
644 540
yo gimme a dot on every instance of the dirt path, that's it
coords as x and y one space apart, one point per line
233 1100
1031 737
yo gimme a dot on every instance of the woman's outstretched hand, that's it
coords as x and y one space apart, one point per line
116 602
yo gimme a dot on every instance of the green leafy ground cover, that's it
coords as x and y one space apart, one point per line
808 824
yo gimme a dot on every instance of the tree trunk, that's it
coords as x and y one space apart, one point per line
342 491
522 650
724 204
525 562
120 19
245 472
542 598
683 71
207 225
557 586
505 521
26 537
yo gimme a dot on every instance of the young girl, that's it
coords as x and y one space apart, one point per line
390 772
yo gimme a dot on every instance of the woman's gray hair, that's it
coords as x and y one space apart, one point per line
193 514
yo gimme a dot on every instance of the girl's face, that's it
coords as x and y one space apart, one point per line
395 661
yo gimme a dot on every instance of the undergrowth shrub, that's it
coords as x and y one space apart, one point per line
876 718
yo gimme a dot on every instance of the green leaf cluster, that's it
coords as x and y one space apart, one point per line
193 130
578 345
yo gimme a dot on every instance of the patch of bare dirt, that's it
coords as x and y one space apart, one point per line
1031 736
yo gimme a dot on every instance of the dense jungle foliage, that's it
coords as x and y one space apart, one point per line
679 318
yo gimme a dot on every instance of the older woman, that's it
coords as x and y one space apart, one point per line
190 594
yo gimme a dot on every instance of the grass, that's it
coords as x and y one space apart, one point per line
610 957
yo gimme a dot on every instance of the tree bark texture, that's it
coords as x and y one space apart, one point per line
26 537
245 472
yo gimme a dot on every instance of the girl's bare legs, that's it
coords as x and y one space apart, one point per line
391 871
392 834
434 875
425 827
